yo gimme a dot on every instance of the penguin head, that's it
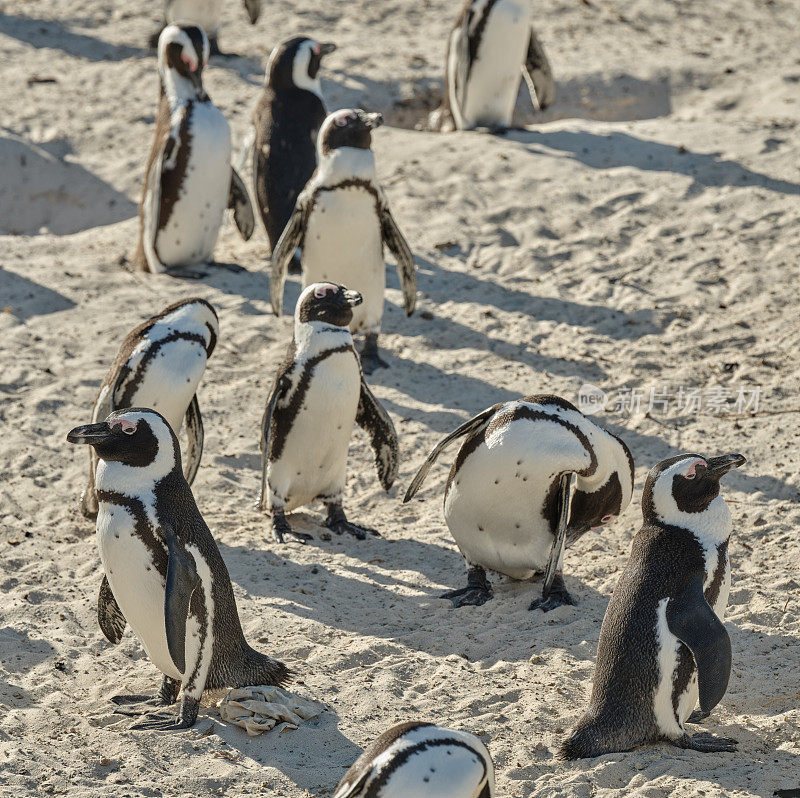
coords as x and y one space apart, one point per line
295 63
348 127
328 303
184 49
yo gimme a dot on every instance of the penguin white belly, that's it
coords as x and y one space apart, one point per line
137 585
314 458
343 245
204 13
190 234
495 75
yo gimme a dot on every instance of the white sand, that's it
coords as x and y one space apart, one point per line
590 249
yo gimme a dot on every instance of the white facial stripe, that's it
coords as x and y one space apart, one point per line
302 60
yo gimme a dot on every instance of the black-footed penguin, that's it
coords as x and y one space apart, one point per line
318 394
163 572
189 181
286 122
341 221
160 364
203 13
415 759
662 644
532 476
491 48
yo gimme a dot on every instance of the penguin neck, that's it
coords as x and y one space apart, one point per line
303 80
180 90
314 337
710 528
346 163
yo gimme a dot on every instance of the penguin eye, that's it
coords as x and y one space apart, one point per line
340 121
605 519
690 475
128 427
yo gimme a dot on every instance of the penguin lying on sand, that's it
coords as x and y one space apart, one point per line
663 643
342 221
531 477
419 759
159 365
189 180
318 394
163 572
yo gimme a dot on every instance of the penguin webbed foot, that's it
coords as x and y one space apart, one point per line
370 359
141 704
698 716
234 268
337 522
707 743
477 592
186 274
164 721
281 528
557 596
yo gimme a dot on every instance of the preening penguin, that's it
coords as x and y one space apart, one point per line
159 365
163 572
342 221
189 180
531 477
415 759
491 48
318 394
286 122
662 644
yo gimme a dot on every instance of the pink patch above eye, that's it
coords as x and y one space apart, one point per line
318 49
605 519
690 474
128 427
190 61
323 289
342 119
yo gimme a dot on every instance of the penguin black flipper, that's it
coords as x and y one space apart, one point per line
375 421
239 203
538 74
282 384
196 436
291 238
398 245
467 428
691 619
109 615
253 8
182 579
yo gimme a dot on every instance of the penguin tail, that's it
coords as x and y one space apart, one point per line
258 668
587 739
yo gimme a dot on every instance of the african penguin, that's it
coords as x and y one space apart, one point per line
286 121
318 394
341 221
662 644
189 180
532 476
491 48
204 14
419 759
163 572
159 365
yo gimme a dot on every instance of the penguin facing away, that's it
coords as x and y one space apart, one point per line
530 478
318 394
287 119
663 644
164 575
189 180
341 221
159 365
415 759
491 47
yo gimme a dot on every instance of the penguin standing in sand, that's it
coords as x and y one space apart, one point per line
164 575
530 478
286 122
318 394
159 365
415 759
491 48
189 180
662 644
342 221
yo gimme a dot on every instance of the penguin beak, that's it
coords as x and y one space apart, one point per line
372 121
92 434
326 48
719 466
353 298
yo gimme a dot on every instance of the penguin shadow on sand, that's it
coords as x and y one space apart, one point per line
19 654
28 299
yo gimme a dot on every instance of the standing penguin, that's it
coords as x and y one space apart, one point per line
163 571
414 759
662 643
532 476
319 393
159 365
341 221
189 181
286 122
491 47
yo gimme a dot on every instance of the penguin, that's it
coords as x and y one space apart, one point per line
189 180
490 48
342 221
530 478
318 394
663 644
286 121
414 759
164 575
159 365
203 13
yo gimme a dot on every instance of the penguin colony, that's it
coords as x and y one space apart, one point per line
530 477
